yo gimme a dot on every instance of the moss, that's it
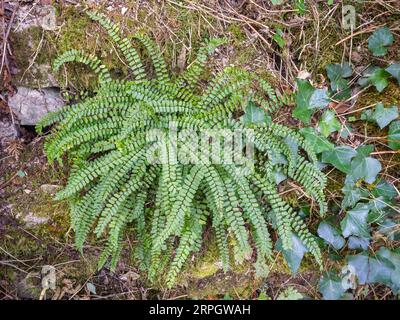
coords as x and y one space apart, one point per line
237 33
389 97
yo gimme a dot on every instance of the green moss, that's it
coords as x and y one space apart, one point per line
390 96
238 36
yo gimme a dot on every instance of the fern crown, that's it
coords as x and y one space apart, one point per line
114 185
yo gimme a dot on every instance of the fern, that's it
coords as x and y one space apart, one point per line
114 184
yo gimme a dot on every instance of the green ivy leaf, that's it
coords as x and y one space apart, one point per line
331 235
329 123
300 6
340 157
278 37
355 222
394 135
276 2
384 267
293 256
381 268
383 116
319 99
367 115
384 189
337 74
365 150
390 228
360 266
352 195
358 243
394 70
330 285
366 168
255 115
391 261
318 142
379 78
308 99
302 97
290 294
379 41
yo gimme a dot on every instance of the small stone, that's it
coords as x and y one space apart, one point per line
27 191
356 57
124 10
30 105
130 276
49 188
304 75
8 131
32 220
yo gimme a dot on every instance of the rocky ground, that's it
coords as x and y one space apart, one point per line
34 230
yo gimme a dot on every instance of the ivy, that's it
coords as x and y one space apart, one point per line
331 235
338 74
379 41
329 123
394 135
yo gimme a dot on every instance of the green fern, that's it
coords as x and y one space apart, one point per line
113 184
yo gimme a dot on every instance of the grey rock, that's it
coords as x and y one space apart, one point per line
30 105
31 219
37 16
50 188
8 131
31 21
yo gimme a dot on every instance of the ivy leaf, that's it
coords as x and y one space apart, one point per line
319 99
279 177
359 263
302 97
293 256
308 99
389 228
363 81
379 41
355 222
384 189
303 114
330 285
337 74
394 70
366 168
393 268
352 195
317 142
367 115
340 157
278 37
329 123
379 78
358 243
290 294
255 115
381 268
394 135
365 150
331 235
383 116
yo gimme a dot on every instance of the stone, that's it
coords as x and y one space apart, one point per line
50 188
32 27
8 131
32 220
30 105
